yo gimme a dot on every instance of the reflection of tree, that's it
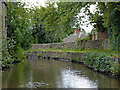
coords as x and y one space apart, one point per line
16 76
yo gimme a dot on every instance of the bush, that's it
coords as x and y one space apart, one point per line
6 59
76 59
115 68
100 62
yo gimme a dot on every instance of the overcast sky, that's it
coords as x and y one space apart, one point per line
42 3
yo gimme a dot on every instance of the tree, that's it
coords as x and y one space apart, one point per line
111 18
19 32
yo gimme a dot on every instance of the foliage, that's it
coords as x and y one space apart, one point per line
107 17
96 61
6 59
18 22
7 55
97 19
76 59
18 33
111 20
115 68
55 21
11 46
100 62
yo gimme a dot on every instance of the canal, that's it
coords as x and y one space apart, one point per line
36 73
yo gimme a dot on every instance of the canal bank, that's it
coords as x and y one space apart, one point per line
95 61
92 53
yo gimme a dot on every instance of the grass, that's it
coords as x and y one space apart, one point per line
105 52
60 50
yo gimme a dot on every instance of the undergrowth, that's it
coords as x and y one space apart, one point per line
101 62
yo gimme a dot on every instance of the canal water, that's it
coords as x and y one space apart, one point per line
36 73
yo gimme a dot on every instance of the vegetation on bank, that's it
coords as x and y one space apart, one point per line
104 52
94 59
100 62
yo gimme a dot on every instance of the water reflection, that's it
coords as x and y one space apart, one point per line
34 73
71 80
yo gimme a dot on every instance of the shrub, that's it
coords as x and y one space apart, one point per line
115 68
6 59
76 59
101 62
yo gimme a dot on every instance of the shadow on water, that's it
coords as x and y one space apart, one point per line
36 73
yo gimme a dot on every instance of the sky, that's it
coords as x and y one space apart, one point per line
90 27
42 3
36 2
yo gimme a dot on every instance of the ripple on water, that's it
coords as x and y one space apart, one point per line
35 85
